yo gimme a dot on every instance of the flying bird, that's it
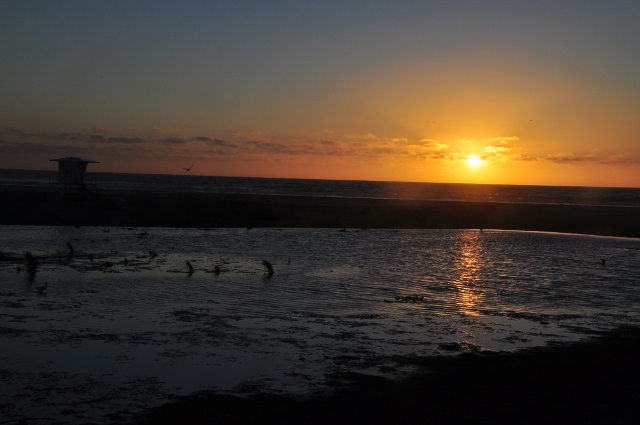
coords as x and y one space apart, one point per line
189 169
268 266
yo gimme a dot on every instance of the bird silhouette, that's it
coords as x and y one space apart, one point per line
41 288
189 169
153 254
603 261
268 266
70 249
190 268
32 263
216 270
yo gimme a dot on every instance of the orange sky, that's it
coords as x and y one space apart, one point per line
544 94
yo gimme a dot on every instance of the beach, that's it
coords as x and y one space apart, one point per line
407 322
596 381
39 206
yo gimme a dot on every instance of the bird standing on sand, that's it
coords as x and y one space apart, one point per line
603 261
190 268
216 270
268 266
70 249
189 169
32 263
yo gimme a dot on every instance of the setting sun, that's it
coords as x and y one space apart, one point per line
474 161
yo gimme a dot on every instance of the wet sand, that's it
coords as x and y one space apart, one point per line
596 381
39 206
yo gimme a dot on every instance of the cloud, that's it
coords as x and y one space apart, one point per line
174 140
523 158
96 138
447 157
329 143
495 149
126 140
570 158
432 144
214 141
253 146
506 140
75 137
567 158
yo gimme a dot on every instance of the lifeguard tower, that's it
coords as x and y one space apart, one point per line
71 171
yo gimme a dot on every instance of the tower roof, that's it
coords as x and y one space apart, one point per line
74 159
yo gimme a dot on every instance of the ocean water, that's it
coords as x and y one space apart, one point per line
123 325
340 188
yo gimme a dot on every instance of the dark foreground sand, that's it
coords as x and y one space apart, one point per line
38 206
592 382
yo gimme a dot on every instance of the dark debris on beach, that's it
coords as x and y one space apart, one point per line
596 381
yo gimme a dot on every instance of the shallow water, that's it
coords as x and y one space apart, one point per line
118 330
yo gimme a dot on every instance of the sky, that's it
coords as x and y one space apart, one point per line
507 92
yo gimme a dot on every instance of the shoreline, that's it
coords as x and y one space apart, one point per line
593 381
39 206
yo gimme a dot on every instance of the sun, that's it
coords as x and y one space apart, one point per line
474 161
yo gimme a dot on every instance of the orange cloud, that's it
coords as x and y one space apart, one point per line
432 144
506 140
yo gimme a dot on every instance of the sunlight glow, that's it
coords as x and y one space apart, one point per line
474 161
469 264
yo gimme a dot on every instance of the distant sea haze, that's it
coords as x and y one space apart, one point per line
627 197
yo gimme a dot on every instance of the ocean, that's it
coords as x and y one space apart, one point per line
340 188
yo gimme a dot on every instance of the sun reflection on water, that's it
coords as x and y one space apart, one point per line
469 265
